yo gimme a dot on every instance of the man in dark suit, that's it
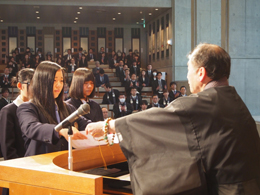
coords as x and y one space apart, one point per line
111 96
129 58
5 80
78 56
72 66
101 51
103 58
96 69
39 53
122 108
183 91
159 85
155 102
91 56
67 58
101 78
134 99
149 72
119 69
135 69
165 100
132 83
174 93
4 100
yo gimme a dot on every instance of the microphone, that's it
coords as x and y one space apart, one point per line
82 110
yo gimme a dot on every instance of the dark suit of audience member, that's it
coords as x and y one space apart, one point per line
100 80
96 71
144 80
103 59
135 102
172 94
129 84
83 63
119 72
154 105
149 74
5 81
111 97
72 68
95 109
91 57
112 63
67 59
165 102
117 109
3 103
161 84
135 70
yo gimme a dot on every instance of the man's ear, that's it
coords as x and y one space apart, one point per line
19 85
202 74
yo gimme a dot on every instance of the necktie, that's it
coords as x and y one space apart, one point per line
57 114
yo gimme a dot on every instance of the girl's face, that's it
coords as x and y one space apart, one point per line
58 84
88 88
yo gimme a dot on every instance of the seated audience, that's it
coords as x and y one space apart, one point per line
79 55
39 53
5 79
82 88
91 56
126 79
105 113
174 93
101 78
123 58
134 99
103 58
135 69
132 83
14 66
183 91
27 63
122 108
113 63
159 85
111 96
36 61
149 73
122 74
129 58
72 66
49 57
153 78
101 51
60 62
83 61
143 80
67 58
155 102
165 100
120 69
96 69
144 105
4 100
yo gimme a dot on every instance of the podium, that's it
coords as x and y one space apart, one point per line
49 174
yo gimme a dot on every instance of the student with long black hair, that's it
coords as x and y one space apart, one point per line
46 109
82 88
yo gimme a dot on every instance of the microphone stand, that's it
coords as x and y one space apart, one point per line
70 157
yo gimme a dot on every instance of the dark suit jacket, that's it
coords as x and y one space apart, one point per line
118 114
136 71
95 110
96 71
88 57
105 60
12 143
83 64
141 81
5 84
155 85
119 71
152 105
134 105
127 85
70 68
111 98
111 63
3 103
163 102
65 58
172 95
99 83
40 136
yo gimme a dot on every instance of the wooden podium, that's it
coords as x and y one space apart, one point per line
49 174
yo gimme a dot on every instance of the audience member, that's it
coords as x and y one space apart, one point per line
134 99
123 58
105 113
60 62
72 66
103 58
174 93
49 57
83 61
132 83
127 78
135 69
120 69
101 78
159 85
36 61
122 108
96 69
5 79
26 63
165 100
82 88
66 92
68 57
143 80
122 74
144 105
39 53
111 96
155 102
183 91
154 78
129 58
4 100
101 51
79 55
13 68
91 56
149 74
113 63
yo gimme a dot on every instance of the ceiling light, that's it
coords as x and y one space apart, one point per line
137 22
38 17
1 20
75 21
37 12
119 13
78 12
141 12
150 14
114 18
76 18
156 9
80 7
142 19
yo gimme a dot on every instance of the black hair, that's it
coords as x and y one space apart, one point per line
171 83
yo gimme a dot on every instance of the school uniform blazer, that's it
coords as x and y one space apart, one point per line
12 143
40 136
3 103
95 109
145 81
83 64
99 83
